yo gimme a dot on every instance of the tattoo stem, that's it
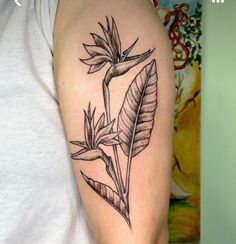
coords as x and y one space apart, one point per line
106 94
110 170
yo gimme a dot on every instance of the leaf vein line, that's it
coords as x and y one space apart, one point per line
138 111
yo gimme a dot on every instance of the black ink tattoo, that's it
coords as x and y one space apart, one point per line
135 120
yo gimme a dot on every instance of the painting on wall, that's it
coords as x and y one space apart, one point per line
182 20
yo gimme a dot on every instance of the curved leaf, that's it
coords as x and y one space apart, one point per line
136 117
109 195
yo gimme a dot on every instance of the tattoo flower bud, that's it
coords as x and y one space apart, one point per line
108 50
94 136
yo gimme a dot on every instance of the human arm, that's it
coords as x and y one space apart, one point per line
133 161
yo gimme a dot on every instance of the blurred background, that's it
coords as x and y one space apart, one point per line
203 199
218 133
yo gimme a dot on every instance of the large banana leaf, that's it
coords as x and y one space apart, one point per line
136 117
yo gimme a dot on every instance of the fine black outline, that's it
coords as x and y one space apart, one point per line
135 120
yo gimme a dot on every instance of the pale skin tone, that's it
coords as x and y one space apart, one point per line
150 172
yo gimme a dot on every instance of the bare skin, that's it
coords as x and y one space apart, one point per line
121 151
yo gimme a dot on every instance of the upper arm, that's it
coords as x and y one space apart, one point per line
117 110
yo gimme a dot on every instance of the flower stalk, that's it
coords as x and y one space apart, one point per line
108 50
106 95
111 171
95 135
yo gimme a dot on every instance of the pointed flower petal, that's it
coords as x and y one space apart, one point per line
109 41
89 111
108 25
73 155
91 122
96 60
128 50
96 67
88 155
104 131
111 142
87 131
93 135
93 50
140 57
107 139
100 123
123 67
79 143
116 39
100 42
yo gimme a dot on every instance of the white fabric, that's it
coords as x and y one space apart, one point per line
39 201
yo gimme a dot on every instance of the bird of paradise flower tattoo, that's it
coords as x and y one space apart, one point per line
132 128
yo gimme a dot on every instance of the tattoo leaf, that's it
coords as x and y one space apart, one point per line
136 117
109 195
